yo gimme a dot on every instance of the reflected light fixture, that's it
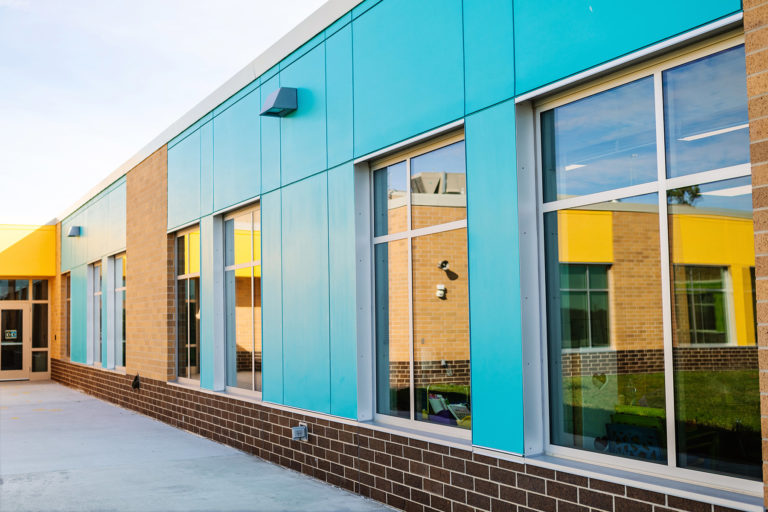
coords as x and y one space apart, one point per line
742 190
280 103
573 167
715 132
74 231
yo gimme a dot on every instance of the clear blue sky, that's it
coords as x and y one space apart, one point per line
84 84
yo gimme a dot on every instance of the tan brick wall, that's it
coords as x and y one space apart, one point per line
150 288
756 45
56 311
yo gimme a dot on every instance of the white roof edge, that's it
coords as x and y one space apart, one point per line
315 23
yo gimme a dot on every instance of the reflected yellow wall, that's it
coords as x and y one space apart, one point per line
27 250
585 236
697 239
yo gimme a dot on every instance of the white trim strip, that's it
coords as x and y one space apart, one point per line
429 230
630 57
408 142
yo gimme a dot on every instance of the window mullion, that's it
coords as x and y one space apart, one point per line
666 299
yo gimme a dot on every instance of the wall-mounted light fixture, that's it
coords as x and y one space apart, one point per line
280 103
74 231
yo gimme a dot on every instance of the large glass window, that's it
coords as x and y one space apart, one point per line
188 303
242 288
421 285
119 305
682 236
94 329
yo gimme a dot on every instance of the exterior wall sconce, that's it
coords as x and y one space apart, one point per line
280 103
74 231
441 291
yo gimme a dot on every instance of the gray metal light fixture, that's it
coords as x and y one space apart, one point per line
74 231
280 103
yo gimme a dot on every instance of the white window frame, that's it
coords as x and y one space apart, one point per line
116 326
365 167
95 342
231 214
535 331
178 278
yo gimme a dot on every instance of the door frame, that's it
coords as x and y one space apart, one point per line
26 341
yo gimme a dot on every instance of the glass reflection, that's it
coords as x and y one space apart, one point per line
705 113
717 394
11 339
14 289
39 289
390 214
439 186
392 329
39 325
188 304
441 329
601 142
605 328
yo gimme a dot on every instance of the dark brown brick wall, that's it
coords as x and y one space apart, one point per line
406 473
620 362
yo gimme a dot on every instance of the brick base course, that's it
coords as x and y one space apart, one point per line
406 473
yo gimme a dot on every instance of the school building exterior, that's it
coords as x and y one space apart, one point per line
493 254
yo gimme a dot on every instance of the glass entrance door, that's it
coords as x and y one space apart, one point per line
14 344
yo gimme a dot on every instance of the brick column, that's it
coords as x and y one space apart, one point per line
756 34
149 295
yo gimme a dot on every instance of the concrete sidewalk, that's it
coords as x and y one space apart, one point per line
64 450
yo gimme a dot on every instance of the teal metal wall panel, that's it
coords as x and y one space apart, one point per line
306 364
95 233
363 7
78 302
408 70
343 304
338 24
117 219
489 53
570 36
303 136
338 66
206 169
302 50
237 152
206 302
270 142
191 129
271 299
245 91
104 314
184 181
494 279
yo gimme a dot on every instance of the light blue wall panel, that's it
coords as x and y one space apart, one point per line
270 142
341 257
271 299
489 56
237 152
104 313
184 181
306 364
338 65
494 279
78 298
96 216
573 35
206 302
303 139
206 169
408 70
117 219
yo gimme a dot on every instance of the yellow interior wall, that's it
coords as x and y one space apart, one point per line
27 250
587 237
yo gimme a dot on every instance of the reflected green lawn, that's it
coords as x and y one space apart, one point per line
728 400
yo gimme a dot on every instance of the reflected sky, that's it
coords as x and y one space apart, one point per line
599 143
734 195
386 181
705 113
447 159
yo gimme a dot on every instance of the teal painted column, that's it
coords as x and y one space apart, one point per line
342 291
79 313
271 299
212 354
494 280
